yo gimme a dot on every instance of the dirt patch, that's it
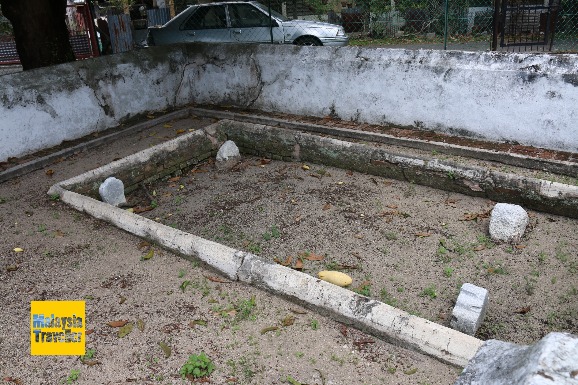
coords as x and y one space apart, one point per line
252 337
407 245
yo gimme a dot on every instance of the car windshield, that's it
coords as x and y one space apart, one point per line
275 14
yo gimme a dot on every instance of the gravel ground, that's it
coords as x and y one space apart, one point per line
176 308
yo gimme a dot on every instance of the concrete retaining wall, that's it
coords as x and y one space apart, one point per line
527 98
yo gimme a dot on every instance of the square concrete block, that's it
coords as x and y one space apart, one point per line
470 309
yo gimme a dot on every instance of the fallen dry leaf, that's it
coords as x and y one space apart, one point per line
166 125
311 256
148 255
326 207
117 324
180 131
298 264
143 244
269 329
150 116
174 179
140 324
288 320
125 330
141 209
18 250
286 263
522 310
14 380
217 279
297 311
49 172
89 332
197 322
166 349
479 248
12 268
520 247
264 161
305 167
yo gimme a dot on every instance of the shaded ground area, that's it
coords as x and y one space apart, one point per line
175 308
404 244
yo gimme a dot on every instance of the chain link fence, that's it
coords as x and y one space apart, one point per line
451 24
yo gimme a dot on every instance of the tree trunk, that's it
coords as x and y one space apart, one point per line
40 31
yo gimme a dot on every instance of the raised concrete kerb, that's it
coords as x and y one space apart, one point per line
385 321
378 318
392 324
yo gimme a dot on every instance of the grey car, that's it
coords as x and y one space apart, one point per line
243 22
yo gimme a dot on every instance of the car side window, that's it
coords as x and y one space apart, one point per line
209 17
247 16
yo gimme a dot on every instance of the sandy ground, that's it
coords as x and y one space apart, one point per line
407 245
178 308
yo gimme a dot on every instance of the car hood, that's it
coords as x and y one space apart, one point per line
307 24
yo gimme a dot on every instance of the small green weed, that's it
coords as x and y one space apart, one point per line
73 376
387 298
430 292
530 285
182 273
314 324
254 247
244 309
448 271
364 290
484 240
390 236
561 253
88 355
272 233
494 268
154 204
54 197
197 366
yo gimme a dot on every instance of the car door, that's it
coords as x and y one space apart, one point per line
208 24
251 25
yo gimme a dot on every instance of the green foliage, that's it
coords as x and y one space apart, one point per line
244 308
387 298
73 376
88 355
430 292
197 366
272 233
314 324
364 290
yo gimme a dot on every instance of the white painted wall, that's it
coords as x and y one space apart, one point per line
528 98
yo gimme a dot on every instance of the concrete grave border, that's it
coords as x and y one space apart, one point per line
377 318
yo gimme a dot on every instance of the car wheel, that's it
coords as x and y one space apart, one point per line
307 40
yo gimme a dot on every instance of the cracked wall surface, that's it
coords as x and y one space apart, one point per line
526 98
